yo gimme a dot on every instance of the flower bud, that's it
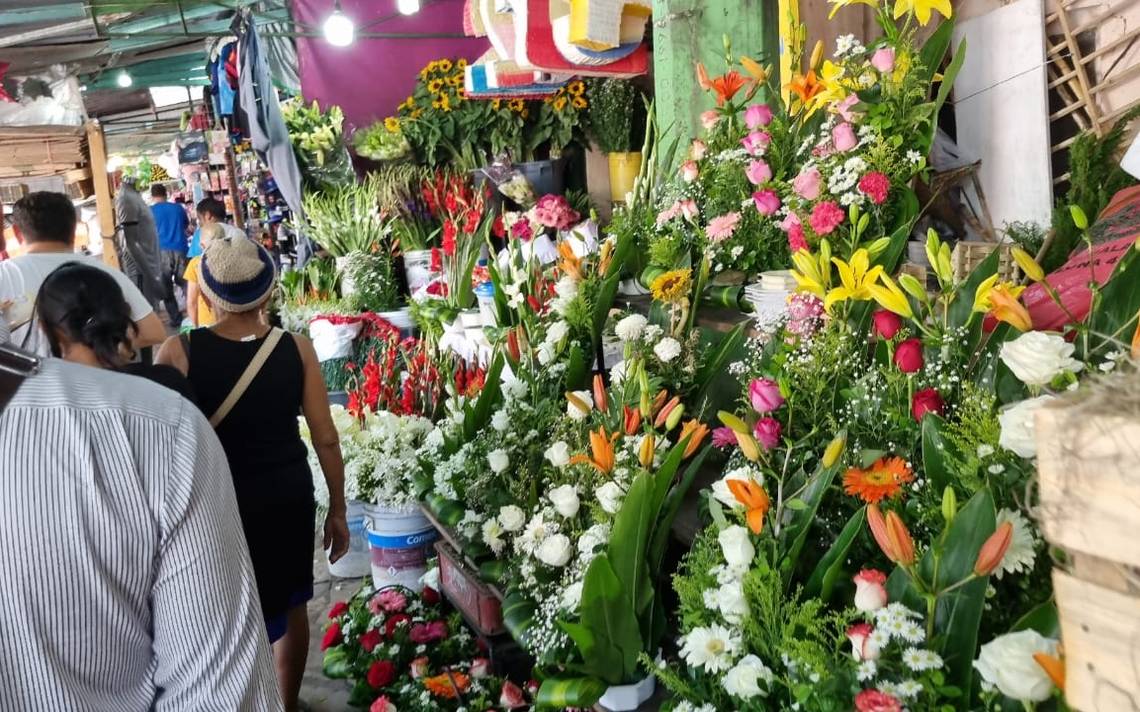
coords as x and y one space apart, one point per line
631 420
816 55
1079 218
674 417
665 410
949 505
834 449
733 423
913 287
901 543
1028 265
748 446
878 526
601 402
993 551
647 450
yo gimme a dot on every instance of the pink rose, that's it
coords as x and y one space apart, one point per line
420 667
757 115
825 217
480 668
862 647
511 696
723 437
391 600
767 202
689 210
698 150
807 184
789 221
870 590
758 172
756 143
883 59
382 704
764 393
767 432
710 119
796 239
844 108
843 136
689 171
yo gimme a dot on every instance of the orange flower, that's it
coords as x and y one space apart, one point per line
600 400
755 501
880 481
698 430
725 86
993 551
1006 307
878 526
805 86
448 685
901 542
1053 667
632 419
1136 338
665 410
602 449
647 450
570 263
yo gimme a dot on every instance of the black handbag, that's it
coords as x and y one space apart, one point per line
16 365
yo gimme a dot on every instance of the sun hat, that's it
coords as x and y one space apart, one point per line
237 274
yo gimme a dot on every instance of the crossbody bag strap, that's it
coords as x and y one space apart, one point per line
247 377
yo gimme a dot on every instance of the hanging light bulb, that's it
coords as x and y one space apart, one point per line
339 28
124 79
408 7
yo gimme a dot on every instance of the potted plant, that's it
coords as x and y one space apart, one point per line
612 103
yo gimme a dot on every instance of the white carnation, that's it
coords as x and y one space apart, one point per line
512 518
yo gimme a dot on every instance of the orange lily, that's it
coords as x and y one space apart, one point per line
805 86
600 400
1136 338
696 431
993 551
1053 667
1006 307
878 527
757 71
570 264
659 402
631 419
725 86
703 77
755 501
602 449
901 542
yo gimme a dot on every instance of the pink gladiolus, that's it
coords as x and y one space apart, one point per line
870 590
767 202
709 120
767 432
764 393
807 184
884 59
758 172
756 116
689 171
756 143
843 136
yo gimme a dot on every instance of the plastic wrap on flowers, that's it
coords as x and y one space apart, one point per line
336 170
333 340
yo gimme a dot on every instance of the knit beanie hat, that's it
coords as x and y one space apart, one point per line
237 274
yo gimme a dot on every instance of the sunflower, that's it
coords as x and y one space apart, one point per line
461 63
673 286
448 685
882 480
445 65
577 88
417 113
560 103
443 103
392 124
496 104
525 113
435 85
579 103
516 105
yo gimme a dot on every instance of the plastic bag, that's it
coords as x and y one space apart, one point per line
333 339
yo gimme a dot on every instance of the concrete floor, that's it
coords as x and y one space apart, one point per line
317 691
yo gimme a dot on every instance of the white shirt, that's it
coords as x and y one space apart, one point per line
20 281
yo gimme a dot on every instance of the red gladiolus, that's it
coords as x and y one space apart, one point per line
338 609
449 234
370 640
332 637
436 260
381 674
886 324
908 356
497 228
926 401
472 222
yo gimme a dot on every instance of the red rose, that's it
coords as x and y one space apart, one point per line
887 324
926 401
908 356
332 637
391 623
381 674
430 596
875 701
338 610
370 640
511 696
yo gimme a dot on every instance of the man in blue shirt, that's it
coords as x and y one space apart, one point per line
173 229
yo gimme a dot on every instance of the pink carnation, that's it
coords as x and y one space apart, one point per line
689 171
807 184
825 217
796 239
391 600
805 314
789 221
758 172
698 149
721 228
767 202
875 186
723 437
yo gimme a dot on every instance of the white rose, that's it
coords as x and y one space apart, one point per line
617 373
1007 663
498 460
554 550
546 354
512 518
736 545
565 500
731 601
572 597
1017 427
574 411
631 327
610 497
667 349
743 680
1036 358
500 421
558 454
557 332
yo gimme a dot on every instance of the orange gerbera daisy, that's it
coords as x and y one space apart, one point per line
882 480
448 685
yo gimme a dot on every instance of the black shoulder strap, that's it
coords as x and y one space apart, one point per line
15 366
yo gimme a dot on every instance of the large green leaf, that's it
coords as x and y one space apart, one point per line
629 540
959 312
827 571
1114 315
944 89
607 611
448 513
493 572
336 664
800 521
669 511
934 50
518 616
578 692
937 461
476 418
1042 618
576 371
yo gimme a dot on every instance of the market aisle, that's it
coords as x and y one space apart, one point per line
318 691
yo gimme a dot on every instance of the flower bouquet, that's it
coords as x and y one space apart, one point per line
318 140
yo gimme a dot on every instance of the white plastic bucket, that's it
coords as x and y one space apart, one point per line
357 562
400 544
625 698
402 320
417 269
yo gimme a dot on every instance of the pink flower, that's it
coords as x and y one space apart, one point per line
522 230
789 221
723 437
391 600
669 213
843 136
758 172
767 432
764 393
689 171
756 143
883 59
689 209
844 108
382 704
555 211
796 239
870 590
480 668
710 119
698 150
428 632
805 314
875 701
420 667
825 217
511 696
767 202
862 647
757 115
875 186
721 228
807 184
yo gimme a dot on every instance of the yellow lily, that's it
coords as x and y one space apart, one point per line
812 272
833 91
983 302
839 4
1028 265
857 276
1006 307
922 9
891 298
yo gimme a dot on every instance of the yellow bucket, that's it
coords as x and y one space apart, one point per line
624 168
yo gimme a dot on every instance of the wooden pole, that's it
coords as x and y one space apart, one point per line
235 197
104 203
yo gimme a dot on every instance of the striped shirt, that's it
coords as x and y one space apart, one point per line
124 575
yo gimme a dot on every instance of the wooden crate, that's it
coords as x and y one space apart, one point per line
475 600
1090 506
967 255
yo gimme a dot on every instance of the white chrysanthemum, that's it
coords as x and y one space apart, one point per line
919 659
667 349
1022 552
493 535
617 372
908 689
713 648
631 327
867 670
911 632
652 333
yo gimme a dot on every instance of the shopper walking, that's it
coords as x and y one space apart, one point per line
138 246
196 305
45 222
173 228
253 381
210 212
127 585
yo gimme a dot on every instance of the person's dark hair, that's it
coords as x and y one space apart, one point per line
157 190
85 305
210 206
45 217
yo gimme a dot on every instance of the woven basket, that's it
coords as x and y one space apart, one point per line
968 255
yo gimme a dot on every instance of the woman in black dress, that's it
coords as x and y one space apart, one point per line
252 381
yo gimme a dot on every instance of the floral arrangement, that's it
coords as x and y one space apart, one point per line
382 141
402 651
318 140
